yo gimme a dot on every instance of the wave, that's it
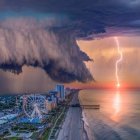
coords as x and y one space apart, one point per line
86 126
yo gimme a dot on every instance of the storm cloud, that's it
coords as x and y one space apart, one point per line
32 43
86 18
44 33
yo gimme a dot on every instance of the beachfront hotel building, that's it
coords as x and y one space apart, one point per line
52 100
61 90
54 96
48 105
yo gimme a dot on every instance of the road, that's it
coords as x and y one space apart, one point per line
9 124
72 128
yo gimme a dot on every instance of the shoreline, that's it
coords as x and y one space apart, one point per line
73 127
85 134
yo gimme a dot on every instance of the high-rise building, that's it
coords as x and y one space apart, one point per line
54 96
48 105
60 89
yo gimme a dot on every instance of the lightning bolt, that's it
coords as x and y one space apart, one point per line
118 61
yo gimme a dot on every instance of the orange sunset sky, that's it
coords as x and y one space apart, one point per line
104 53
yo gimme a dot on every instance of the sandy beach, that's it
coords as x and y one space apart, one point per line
73 126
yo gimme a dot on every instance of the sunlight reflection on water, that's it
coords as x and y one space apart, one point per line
116 106
120 106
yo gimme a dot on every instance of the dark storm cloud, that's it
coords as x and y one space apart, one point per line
87 16
33 43
52 45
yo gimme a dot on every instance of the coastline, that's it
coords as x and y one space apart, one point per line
86 129
85 133
83 123
73 127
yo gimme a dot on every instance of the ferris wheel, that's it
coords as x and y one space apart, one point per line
34 106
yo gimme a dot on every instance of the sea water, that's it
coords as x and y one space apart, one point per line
118 117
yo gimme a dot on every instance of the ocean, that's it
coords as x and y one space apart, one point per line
118 117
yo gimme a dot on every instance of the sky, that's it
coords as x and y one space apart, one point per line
67 42
104 52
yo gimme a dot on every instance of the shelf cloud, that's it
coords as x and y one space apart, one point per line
32 43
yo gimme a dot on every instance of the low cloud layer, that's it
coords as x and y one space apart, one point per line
31 80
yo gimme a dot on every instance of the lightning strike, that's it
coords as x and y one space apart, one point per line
118 61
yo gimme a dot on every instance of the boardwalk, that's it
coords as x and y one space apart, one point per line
90 106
